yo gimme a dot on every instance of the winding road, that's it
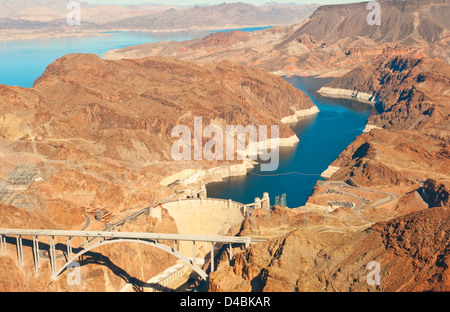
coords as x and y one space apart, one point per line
332 186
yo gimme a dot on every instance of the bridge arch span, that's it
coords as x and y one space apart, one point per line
155 244
108 238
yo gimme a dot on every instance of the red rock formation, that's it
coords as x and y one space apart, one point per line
436 194
413 253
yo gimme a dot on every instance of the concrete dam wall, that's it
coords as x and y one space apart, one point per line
204 216
200 216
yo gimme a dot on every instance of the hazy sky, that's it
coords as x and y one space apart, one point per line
210 2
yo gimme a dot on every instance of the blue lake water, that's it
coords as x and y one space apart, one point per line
248 29
23 61
322 138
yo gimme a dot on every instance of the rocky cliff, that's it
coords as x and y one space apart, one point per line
413 92
410 136
403 22
436 194
392 175
412 253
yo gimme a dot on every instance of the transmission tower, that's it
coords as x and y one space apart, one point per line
277 201
283 201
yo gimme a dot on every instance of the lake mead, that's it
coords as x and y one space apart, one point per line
322 138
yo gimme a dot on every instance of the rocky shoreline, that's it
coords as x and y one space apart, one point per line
361 97
300 114
194 179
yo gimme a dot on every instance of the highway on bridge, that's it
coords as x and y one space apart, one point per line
96 239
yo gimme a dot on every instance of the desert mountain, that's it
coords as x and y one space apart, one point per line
411 136
114 120
402 22
412 253
49 10
134 96
413 92
111 114
217 16
334 40
153 17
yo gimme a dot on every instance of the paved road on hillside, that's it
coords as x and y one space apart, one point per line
337 187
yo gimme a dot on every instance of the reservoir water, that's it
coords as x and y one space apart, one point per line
322 138
23 61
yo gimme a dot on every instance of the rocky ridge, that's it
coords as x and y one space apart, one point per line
333 41
412 251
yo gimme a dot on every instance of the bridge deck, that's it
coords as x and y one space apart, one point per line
130 235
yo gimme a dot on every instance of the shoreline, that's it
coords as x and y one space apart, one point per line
219 174
331 170
369 128
229 28
8 37
300 114
361 97
19 35
192 177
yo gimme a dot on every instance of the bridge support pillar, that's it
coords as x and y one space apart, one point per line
37 263
194 261
69 248
3 244
53 257
19 251
212 257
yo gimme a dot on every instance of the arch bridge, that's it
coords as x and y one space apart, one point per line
93 240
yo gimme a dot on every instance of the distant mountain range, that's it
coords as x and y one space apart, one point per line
48 10
334 40
29 14
223 15
405 22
